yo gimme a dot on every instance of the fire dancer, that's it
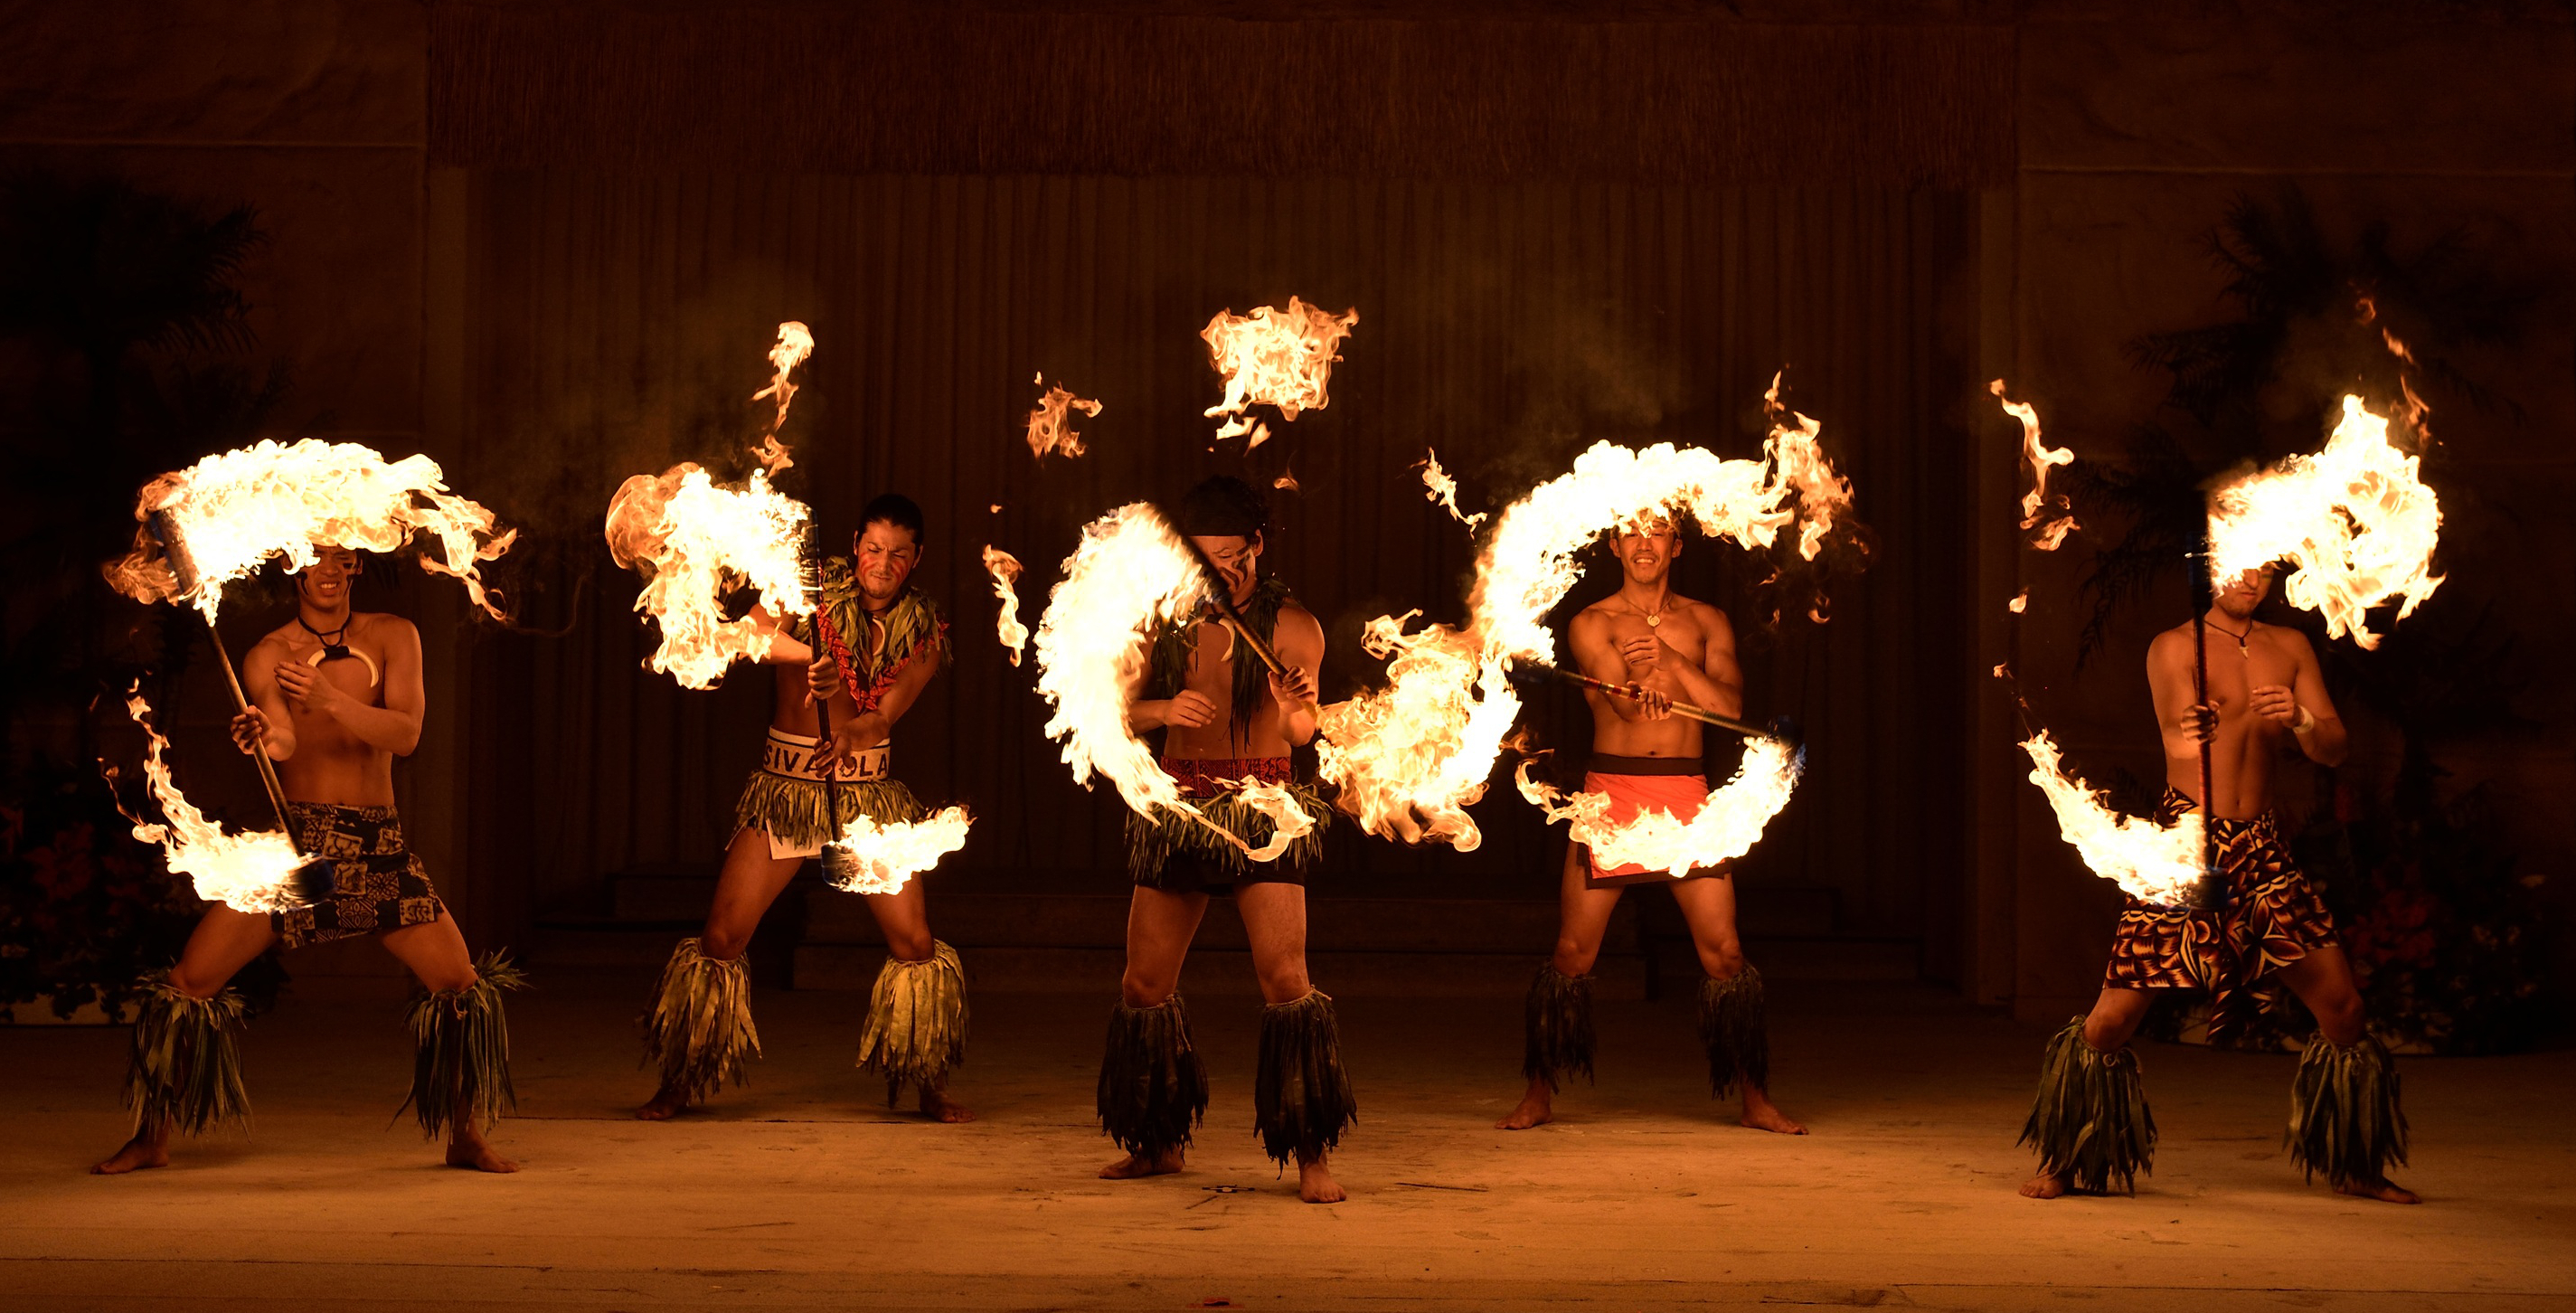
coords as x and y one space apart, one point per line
1224 717
2090 1122
1666 648
336 697
889 639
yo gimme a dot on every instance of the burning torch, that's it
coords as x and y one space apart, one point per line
840 865
315 873
1530 672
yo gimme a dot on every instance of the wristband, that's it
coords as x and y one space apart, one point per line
2307 722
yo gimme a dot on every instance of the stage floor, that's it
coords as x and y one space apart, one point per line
802 1191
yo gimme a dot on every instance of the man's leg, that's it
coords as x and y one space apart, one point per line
461 1001
1732 1012
1583 917
2091 1078
702 1042
223 943
917 1015
2344 1114
1160 926
1304 1097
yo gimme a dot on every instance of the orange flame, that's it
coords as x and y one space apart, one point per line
2154 863
696 544
1051 424
237 510
1005 569
2052 517
1441 490
794 344
1798 464
1727 828
251 873
2020 602
886 857
2354 520
1130 575
1273 357
1287 480
1410 757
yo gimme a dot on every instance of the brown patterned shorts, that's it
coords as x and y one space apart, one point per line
2273 918
376 882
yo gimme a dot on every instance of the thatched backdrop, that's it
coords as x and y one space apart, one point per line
828 90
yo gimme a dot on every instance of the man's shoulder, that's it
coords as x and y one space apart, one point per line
1707 613
2172 645
382 624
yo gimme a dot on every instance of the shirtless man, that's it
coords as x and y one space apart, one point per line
336 697
891 639
1671 649
2090 1123
1224 717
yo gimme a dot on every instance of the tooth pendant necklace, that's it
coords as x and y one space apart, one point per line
2241 649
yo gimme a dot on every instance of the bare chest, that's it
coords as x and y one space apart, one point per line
1677 631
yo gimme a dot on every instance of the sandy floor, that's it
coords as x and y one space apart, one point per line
802 1191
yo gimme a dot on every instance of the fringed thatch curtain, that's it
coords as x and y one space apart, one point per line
888 89
619 323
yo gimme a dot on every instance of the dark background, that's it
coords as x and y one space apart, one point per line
549 245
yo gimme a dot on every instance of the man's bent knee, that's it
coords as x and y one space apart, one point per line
1722 961
1139 990
2104 1034
196 984
1285 984
2341 1017
1572 959
722 943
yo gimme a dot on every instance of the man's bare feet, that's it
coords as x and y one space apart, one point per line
2043 1186
2383 1190
1136 1166
1763 1115
144 1150
937 1106
1537 1108
1315 1185
469 1149
665 1104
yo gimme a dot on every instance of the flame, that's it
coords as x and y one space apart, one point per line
1005 569
1273 357
2354 520
2154 863
1050 425
1130 575
1727 828
1442 490
696 544
1287 480
2020 602
885 857
1798 463
1409 758
237 510
251 873
1289 822
2053 517
794 344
